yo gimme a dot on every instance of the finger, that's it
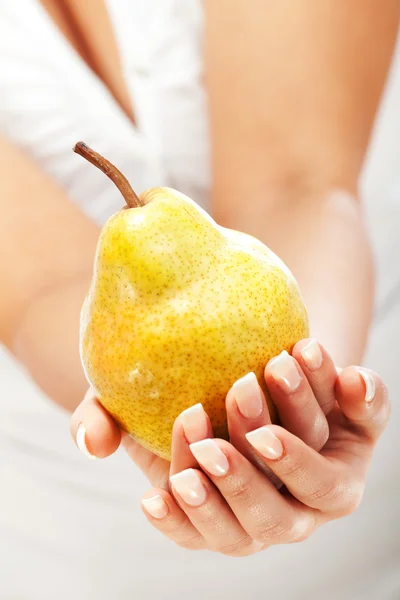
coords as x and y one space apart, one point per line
246 410
192 425
320 370
298 409
165 515
363 397
210 514
266 515
323 484
95 432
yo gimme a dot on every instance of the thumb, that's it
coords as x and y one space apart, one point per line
94 430
363 398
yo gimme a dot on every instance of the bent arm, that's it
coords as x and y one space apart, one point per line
46 247
293 91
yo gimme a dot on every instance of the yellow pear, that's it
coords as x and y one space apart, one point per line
179 308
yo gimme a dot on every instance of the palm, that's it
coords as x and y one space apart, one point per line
155 468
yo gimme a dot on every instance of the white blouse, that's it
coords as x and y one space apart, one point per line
50 98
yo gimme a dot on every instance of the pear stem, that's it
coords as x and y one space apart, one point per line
132 200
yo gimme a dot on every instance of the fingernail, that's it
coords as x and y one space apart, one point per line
248 396
312 355
265 442
155 506
189 487
81 441
210 456
283 370
370 388
194 423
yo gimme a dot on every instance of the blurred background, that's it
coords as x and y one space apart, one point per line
361 553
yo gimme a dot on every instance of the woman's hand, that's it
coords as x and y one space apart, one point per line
225 496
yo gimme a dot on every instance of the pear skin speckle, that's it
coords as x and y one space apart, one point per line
180 308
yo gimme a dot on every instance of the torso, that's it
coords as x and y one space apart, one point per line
72 528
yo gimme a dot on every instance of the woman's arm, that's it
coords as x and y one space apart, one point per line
293 90
46 247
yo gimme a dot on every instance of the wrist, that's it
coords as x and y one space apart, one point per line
266 209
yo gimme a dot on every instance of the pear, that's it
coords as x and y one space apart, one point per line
178 309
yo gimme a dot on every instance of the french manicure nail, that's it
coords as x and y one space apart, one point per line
248 396
265 442
370 388
189 487
194 423
210 456
81 441
312 355
155 506
284 372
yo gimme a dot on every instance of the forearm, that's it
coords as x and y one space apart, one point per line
47 246
46 341
324 242
293 90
